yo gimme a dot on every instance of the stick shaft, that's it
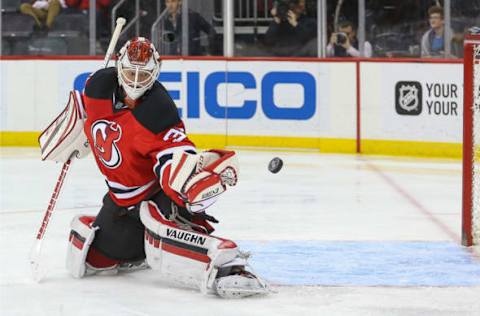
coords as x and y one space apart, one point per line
53 199
113 41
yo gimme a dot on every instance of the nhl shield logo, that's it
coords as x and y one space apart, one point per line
105 135
408 98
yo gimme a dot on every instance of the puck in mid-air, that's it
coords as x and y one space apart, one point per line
275 165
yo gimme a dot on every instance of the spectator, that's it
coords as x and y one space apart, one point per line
433 41
43 12
196 24
344 43
291 33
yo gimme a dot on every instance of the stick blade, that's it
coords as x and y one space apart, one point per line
38 270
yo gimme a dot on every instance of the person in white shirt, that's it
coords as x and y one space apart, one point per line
344 43
43 12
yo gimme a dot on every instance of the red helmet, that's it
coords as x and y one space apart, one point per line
138 66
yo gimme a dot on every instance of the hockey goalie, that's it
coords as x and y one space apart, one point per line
159 184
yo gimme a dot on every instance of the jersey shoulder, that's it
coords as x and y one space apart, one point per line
157 112
102 84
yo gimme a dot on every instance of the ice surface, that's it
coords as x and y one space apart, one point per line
370 263
335 234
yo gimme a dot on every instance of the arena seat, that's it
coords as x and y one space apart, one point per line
16 25
71 24
78 45
47 46
11 5
72 29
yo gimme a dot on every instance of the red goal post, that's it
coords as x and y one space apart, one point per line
471 142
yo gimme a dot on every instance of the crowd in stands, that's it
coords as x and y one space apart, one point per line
51 27
39 27
45 11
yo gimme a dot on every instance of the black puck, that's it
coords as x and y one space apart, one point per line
275 165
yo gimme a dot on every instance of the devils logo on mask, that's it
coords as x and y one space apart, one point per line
105 135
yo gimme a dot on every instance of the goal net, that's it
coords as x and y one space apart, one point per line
471 142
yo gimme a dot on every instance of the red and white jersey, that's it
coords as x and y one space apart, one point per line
133 148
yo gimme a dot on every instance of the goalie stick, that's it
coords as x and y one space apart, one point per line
37 271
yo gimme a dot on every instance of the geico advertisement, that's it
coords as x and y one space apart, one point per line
233 97
251 98
413 101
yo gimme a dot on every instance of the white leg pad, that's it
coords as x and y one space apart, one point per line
79 241
183 256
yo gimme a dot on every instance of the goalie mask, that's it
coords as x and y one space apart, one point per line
138 66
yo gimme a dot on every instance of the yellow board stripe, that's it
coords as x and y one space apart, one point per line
411 148
324 145
20 139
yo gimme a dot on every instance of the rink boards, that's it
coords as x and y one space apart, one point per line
342 105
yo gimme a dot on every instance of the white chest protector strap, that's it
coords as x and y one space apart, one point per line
191 258
65 136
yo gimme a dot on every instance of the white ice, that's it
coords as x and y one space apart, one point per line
315 197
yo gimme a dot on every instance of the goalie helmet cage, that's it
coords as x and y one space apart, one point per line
471 142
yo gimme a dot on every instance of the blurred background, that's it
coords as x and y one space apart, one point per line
283 28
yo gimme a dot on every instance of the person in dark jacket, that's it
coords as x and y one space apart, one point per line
196 25
291 32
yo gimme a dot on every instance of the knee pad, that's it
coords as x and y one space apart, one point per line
83 259
184 256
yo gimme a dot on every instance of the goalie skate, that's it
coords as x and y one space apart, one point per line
236 279
240 285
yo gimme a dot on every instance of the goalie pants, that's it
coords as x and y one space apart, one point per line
121 233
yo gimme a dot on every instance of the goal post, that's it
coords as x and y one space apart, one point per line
471 142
